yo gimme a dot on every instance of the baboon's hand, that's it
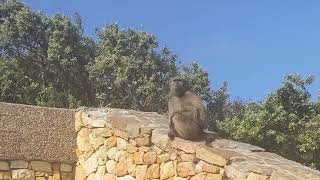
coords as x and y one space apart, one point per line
171 134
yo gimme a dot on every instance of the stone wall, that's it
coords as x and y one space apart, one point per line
35 170
124 145
36 143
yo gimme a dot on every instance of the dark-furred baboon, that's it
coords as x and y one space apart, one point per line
187 117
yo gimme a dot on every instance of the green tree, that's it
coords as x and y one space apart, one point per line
216 106
22 47
246 127
42 58
65 72
309 143
197 77
276 123
130 71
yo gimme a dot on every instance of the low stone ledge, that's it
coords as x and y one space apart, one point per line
30 170
125 144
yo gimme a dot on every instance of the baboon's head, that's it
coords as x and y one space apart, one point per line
178 86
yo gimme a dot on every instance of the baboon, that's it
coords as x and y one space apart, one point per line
187 118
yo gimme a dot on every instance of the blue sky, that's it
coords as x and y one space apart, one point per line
251 44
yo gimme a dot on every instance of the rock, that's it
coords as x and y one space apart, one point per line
160 138
111 141
211 168
56 176
7 175
254 176
200 176
141 172
66 176
215 156
101 171
144 148
134 131
179 178
143 141
79 173
153 171
173 156
102 155
198 167
121 144
86 120
18 164
24 174
186 169
163 158
120 122
131 149
145 130
122 134
122 168
98 123
101 132
96 141
110 177
167 170
55 167
225 143
188 157
283 176
111 153
65 167
40 173
150 158
133 142
84 155
185 145
41 166
83 142
127 177
157 150
40 178
222 172
234 173
249 166
213 177
4 165
130 156
91 177
131 166
138 157
91 164
120 155
102 160
111 166
78 121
